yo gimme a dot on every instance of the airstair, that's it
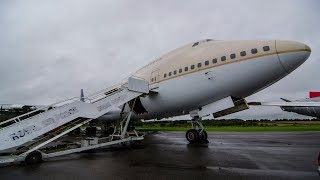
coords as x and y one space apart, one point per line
31 129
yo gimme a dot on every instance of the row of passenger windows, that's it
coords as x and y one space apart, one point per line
206 63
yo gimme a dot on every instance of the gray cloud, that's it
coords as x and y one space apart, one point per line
49 50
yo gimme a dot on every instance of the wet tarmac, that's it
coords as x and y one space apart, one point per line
167 155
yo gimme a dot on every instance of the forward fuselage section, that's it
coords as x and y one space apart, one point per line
206 71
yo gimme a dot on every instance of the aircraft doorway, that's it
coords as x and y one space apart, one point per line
154 79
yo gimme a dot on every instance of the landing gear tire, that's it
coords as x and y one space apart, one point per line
203 136
33 158
192 135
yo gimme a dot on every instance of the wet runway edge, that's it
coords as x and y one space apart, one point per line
167 155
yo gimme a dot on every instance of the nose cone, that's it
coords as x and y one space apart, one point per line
292 54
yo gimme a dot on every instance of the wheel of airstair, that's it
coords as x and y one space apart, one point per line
34 157
203 136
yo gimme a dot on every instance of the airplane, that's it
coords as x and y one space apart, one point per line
211 77
309 106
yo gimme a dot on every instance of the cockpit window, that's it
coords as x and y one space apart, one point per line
223 58
243 53
195 44
202 41
192 66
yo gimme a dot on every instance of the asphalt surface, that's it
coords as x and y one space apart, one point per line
167 155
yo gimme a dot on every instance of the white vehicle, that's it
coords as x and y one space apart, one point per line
202 78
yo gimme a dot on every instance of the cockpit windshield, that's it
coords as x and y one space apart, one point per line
200 42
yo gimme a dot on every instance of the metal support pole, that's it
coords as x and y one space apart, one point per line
197 124
124 131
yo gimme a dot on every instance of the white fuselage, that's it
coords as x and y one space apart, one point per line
248 67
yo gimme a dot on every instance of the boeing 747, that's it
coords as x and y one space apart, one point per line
201 78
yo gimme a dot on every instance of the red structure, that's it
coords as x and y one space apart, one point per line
314 94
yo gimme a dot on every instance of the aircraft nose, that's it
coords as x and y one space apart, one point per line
292 54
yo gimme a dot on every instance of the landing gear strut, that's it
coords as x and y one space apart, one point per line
197 134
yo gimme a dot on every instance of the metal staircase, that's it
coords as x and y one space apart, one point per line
27 127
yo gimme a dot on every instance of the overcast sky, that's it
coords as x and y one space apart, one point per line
49 50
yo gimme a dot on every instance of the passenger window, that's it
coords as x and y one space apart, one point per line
180 70
186 69
223 58
175 72
195 44
266 48
243 53
206 63
165 75
151 79
169 73
214 60
199 65
233 55
254 51
192 66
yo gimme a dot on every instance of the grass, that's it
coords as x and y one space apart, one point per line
237 128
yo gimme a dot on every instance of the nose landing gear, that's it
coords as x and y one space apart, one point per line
197 134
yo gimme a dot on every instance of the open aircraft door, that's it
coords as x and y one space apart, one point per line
154 79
